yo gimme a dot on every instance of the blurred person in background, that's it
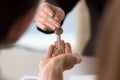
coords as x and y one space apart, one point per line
15 16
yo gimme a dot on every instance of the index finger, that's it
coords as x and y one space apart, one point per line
68 48
49 51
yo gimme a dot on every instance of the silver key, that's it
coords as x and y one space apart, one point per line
58 33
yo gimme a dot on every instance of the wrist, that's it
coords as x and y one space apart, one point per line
51 73
46 32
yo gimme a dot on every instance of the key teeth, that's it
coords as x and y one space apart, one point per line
59 32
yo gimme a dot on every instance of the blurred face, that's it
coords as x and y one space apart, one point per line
18 28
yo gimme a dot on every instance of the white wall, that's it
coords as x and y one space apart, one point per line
14 64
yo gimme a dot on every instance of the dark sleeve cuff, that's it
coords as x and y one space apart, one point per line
46 32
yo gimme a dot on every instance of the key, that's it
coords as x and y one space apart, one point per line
58 33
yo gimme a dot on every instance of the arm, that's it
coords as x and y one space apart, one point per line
66 5
51 73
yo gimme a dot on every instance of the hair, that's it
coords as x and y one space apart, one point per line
10 10
108 43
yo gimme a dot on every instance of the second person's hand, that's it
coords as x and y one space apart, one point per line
48 17
53 64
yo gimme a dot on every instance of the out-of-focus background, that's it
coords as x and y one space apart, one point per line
21 59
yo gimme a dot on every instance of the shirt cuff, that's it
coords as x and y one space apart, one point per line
46 32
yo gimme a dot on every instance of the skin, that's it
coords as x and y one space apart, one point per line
53 64
52 67
49 17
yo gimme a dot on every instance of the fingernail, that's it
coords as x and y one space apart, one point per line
57 25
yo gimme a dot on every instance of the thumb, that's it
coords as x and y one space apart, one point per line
78 57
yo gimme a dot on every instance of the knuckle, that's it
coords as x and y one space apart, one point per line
57 19
42 20
44 28
61 11
45 4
